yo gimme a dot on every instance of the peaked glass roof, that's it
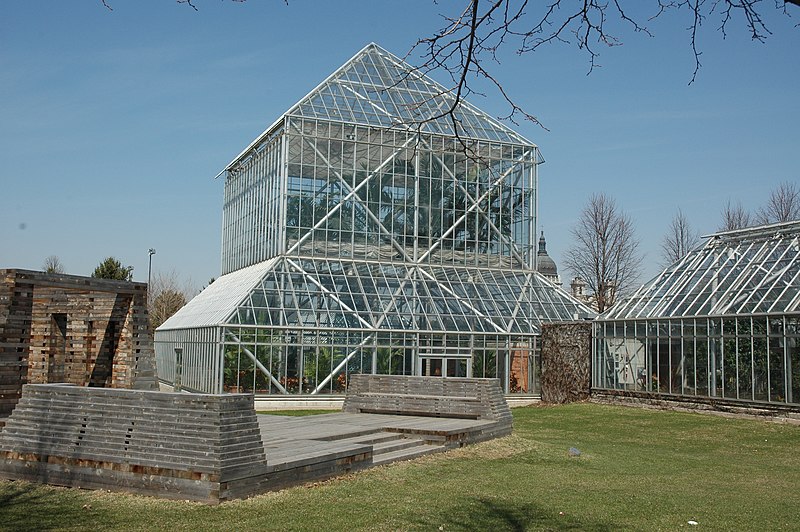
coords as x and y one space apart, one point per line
336 293
377 88
749 271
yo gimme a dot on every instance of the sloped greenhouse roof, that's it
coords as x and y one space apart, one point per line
335 293
748 271
215 303
377 88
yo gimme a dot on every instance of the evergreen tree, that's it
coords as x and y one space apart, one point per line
111 268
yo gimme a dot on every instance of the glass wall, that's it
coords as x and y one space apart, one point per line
253 207
369 193
720 322
748 358
283 361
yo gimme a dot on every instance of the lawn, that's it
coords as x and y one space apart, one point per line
638 470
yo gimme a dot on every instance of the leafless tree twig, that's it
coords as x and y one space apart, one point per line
783 205
679 240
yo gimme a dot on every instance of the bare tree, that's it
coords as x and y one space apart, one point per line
468 46
606 251
52 264
680 239
783 205
166 296
734 216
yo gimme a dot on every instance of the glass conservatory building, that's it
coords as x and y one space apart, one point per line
723 322
361 234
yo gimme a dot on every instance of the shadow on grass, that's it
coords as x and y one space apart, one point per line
493 514
28 506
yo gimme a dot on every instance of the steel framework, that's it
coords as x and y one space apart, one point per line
724 321
360 235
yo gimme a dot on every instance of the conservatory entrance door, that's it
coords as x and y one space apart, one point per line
432 366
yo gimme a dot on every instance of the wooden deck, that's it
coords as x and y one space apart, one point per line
303 449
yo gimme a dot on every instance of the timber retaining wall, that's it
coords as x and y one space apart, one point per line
174 445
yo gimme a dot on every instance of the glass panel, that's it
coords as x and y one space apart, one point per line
457 367
230 370
247 374
313 369
390 361
777 359
716 366
730 368
794 358
520 379
677 375
488 363
745 366
689 368
702 364
760 360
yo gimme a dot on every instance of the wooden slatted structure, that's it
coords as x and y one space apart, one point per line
174 445
465 398
69 328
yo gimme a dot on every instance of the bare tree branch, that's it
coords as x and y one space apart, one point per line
783 205
466 48
463 48
52 264
734 217
189 3
680 239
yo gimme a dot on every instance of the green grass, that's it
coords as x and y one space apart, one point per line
640 470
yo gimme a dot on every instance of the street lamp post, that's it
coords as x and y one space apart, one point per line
150 252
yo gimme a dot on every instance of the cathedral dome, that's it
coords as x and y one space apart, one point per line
544 264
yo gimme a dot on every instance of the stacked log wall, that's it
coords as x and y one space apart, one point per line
78 330
15 326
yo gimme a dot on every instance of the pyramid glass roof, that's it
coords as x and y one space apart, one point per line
377 88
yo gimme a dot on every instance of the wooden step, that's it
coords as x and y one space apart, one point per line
373 438
408 453
395 445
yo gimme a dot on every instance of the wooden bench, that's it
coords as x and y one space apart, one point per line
426 396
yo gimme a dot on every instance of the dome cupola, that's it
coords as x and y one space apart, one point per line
544 264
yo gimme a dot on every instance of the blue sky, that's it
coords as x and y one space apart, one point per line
113 124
